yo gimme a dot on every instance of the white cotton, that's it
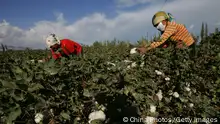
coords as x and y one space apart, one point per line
191 105
110 63
133 64
158 72
152 108
167 79
187 84
149 120
175 94
142 64
128 67
51 111
133 50
38 118
97 115
127 61
159 95
187 89
40 61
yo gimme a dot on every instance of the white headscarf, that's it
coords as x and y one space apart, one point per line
51 40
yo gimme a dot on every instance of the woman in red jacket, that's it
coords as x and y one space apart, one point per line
62 48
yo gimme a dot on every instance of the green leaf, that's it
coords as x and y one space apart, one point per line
86 93
2 90
138 96
15 112
28 79
18 70
65 115
35 87
97 121
7 84
52 71
39 76
18 77
17 97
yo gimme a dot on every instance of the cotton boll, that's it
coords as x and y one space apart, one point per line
187 89
133 64
97 115
129 67
51 111
167 79
159 95
142 64
78 119
133 51
110 63
158 72
152 108
176 95
191 105
127 61
40 61
38 118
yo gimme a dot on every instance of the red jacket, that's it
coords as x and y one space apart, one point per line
68 47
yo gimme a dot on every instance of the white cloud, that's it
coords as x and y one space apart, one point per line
125 26
129 3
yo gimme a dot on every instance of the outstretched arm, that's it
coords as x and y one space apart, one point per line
45 59
169 31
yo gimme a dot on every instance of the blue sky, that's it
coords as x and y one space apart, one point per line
28 22
24 13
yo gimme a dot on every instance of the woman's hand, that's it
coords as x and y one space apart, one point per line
142 50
